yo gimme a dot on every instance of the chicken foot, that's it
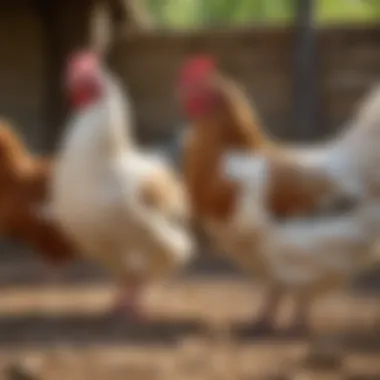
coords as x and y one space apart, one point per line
264 324
300 324
128 300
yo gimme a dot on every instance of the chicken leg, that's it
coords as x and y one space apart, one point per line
300 324
264 324
128 300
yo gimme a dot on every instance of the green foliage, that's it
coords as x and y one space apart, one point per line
201 13
333 11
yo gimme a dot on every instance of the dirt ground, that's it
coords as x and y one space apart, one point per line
63 332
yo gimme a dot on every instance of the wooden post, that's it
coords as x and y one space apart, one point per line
305 72
65 27
54 54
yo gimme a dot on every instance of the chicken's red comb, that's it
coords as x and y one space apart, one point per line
81 62
196 69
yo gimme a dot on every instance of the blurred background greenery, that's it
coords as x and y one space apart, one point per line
198 13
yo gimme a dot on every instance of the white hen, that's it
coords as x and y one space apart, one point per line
308 256
124 208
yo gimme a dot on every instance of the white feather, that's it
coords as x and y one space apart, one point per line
306 253
96 194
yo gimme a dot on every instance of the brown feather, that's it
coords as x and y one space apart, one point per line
24 186
163 192
234 125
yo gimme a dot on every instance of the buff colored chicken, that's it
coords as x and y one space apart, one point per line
299 181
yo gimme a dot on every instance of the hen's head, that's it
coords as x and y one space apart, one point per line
207 95
197 92
84 78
